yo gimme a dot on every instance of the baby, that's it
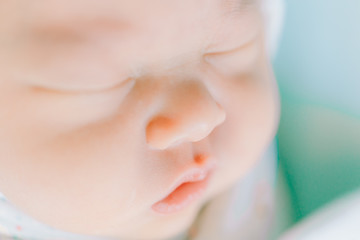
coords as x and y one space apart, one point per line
122 119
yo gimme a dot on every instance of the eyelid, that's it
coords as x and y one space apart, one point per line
128 82
230 51
234 61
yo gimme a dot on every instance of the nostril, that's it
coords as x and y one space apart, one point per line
189 123
157 131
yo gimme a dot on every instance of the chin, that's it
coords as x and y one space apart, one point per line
163 226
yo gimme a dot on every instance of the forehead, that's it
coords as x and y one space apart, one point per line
155 30
124 8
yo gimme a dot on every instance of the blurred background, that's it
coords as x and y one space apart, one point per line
318 70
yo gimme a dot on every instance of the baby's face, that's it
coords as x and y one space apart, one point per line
106 105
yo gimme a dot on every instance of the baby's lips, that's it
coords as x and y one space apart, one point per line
189 188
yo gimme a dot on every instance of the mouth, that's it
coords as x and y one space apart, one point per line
188 189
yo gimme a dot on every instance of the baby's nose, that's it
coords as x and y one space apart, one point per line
189 114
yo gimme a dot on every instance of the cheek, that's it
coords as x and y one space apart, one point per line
252 116
58 153
75 174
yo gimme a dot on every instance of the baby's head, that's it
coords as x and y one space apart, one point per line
107 106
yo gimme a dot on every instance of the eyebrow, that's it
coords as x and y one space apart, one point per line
106 23
76 30
237 6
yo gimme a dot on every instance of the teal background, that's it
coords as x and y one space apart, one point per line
318 71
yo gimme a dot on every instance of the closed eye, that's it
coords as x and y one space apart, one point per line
79 90
235 61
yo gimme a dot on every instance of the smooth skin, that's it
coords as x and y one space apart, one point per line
105 104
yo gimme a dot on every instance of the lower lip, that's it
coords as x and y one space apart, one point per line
181 197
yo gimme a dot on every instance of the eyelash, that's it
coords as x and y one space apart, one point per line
233 62
71 91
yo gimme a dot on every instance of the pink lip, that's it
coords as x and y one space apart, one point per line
189 188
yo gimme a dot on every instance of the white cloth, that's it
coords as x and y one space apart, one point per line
337 220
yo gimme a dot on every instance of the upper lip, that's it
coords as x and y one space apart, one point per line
192 175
